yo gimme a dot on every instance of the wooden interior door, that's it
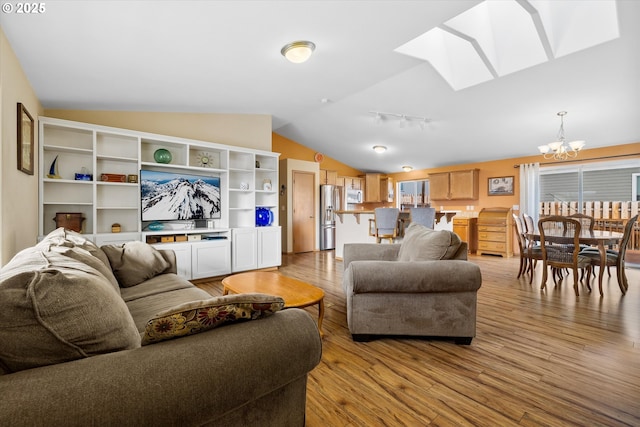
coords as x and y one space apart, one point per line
304 212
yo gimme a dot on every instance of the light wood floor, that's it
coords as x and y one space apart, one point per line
539 358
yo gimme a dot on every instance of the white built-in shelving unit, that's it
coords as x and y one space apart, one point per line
248 180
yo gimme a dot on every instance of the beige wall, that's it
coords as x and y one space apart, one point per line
18 191
241 130
290 149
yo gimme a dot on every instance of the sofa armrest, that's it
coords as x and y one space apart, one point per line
186 381
411 277
369 251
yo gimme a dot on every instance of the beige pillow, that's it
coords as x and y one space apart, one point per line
63 238
198 316
54 309
134 262
425 244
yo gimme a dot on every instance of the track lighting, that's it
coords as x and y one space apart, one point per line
404 120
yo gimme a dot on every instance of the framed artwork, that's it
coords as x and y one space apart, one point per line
25 140
501 186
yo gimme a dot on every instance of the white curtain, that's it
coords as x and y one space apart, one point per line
530 190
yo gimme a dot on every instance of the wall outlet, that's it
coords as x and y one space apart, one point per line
516 207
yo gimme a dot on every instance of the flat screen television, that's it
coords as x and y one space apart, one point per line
170 196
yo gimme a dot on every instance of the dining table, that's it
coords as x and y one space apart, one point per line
599 238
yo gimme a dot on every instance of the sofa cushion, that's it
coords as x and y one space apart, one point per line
134 262
425 244
199 316
143 309
63 238
54 308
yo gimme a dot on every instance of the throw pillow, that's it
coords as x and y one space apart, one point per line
63 238
198 316
425 244
55 309
135 262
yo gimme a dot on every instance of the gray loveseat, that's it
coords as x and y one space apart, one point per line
79 348
423 286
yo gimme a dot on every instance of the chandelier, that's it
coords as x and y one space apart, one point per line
560 150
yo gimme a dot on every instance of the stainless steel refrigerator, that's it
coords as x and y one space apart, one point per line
330 201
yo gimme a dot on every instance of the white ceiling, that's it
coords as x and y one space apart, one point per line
224 57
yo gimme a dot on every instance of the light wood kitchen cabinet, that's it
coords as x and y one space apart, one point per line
467 229
379 188
328 177
353 183
387 189
495 232
456 185
340 181
372 185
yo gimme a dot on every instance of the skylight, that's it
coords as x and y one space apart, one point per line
498 37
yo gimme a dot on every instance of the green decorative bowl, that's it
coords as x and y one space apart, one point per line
162 155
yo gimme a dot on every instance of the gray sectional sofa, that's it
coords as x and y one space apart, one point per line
112 336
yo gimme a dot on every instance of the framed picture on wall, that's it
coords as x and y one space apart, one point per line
25 140
501 186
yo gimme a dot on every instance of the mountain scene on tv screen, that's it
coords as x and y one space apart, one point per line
180 198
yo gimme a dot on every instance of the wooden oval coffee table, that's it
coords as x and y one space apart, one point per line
294 292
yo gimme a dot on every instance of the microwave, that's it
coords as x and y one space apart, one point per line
354 196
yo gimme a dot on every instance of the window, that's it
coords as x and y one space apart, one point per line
413 194
603 185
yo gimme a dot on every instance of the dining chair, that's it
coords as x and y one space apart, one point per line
560 244
586 222
529 254
423 216
386 223
614 258
529 225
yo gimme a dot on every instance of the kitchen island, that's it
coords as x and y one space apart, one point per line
352 226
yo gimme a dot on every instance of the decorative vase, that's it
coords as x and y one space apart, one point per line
156 226
263 217
162 155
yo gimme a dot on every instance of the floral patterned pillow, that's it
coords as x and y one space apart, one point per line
198 316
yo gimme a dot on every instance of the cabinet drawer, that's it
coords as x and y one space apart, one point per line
488 229
491 224
492 246
492 237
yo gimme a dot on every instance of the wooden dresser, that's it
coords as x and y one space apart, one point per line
467 229
495 232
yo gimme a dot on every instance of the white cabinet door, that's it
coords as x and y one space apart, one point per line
269 250
244 254
211 258
183 256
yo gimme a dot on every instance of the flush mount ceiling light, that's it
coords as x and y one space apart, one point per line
298 52
404 119
559 150
379 148
407 168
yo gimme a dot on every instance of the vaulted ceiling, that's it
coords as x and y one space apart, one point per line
224 57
